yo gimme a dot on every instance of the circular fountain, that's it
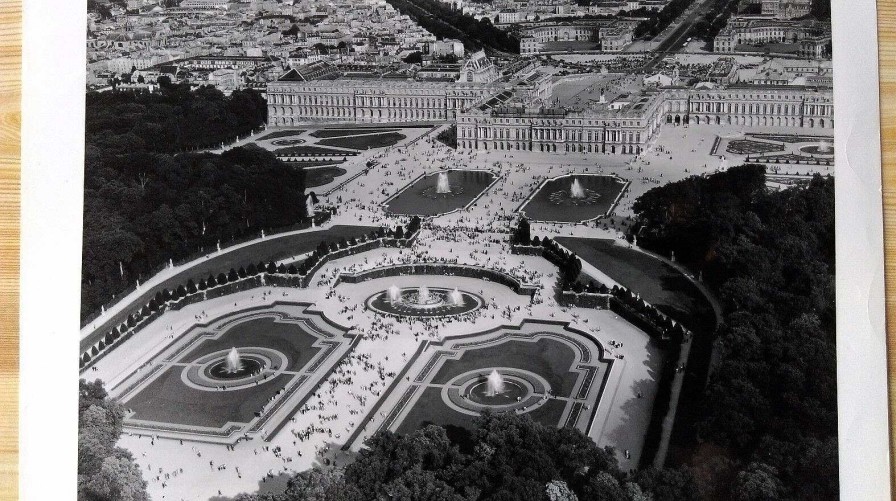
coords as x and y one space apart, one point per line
234 369
497 389
423 301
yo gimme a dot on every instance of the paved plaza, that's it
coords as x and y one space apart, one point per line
581 367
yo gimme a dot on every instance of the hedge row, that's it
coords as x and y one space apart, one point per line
246 278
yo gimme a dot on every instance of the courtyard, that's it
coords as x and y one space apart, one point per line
565 366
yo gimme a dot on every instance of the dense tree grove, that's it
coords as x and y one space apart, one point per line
444 22
144 205
653 25
105 472
507 457
172 120
765 426
714 19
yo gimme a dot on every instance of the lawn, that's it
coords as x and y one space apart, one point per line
325 133
746 146
788 138
658 283
431 409
321 176
288 338
168 400
308 150
366 141
301 164
546 357
279 134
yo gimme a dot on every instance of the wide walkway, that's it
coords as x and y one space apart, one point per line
477 235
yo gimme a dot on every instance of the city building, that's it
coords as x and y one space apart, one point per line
447 47
612 36
786 9
752 30
204 4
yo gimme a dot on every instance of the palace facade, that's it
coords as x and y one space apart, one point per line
752 106
627 127
623 130
369 100
520 113
295 101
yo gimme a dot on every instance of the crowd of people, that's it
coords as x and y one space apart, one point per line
342 404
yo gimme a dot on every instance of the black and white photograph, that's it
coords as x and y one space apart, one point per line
546 250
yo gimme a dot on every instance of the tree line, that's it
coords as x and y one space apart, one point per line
105 472
765 425
172 120
444 22
145 205
712 21
505 457
658 21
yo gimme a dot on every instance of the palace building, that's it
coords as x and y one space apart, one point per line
752 106
363 100
293 100
623 126
533 111
627 123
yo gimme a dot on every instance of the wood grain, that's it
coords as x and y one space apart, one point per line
886 20
10 159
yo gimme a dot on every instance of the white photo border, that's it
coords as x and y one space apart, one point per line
54 58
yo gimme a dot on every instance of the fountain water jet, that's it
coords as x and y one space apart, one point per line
442 185
824 147
495 384
423 295
576 190
457 299
394 294
233 361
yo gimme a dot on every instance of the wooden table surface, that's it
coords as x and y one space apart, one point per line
10 120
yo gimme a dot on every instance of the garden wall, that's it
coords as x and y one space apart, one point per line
144 315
